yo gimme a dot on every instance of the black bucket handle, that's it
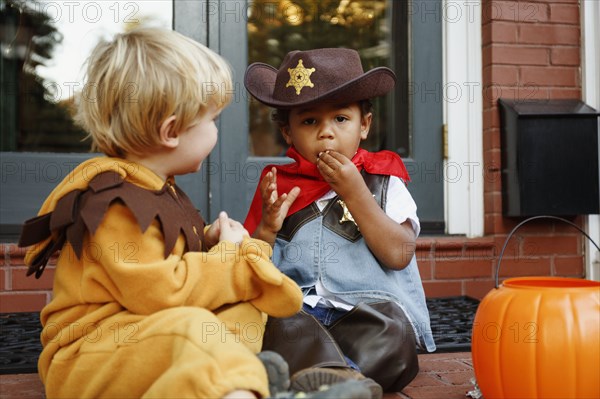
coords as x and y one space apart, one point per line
527 221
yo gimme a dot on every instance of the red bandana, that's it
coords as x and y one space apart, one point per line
305 175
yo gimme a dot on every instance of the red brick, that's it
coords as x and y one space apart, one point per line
566 93
521 91
488 202
535 226
25 386
492 202
15 255
451 243
13 249
486 13
519 55
486 38
446 392
490 186
490 136
492 165
490 93
548 34
565 56
564 13
503 32
3 279
493 179
3 249
510 267
20 282
479 288
571 266
560 227
425 380
493 221
516 11
502 75
480 253
461 269
462 378
433 357
394 395
424 244
441 365
558 244
491 119
19 260
486 55
525 91
437 289
550 76
22 302
448 254
423 250
422 256
425 269
513 247
489 224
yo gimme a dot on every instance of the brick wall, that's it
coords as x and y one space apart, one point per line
19 293
530 50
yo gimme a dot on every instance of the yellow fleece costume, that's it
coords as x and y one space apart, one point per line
126 321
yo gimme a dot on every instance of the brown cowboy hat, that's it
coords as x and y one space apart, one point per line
322 75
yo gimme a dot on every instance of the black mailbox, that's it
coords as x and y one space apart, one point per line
549 158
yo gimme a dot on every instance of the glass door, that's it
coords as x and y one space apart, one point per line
43 47
403 35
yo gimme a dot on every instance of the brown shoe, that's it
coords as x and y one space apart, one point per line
311 379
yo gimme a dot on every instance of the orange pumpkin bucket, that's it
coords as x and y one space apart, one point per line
538 337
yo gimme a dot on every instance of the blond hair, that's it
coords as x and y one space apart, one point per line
142 77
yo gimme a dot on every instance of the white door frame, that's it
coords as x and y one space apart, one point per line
463 117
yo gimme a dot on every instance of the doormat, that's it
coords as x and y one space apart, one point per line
19 342
451 321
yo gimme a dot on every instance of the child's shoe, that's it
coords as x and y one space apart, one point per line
279 383
278 371
345 390
309 380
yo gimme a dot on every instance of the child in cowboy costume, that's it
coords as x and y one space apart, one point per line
146 301
342 225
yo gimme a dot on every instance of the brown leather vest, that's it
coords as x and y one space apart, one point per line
333 213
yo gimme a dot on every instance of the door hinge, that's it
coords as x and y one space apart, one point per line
444 141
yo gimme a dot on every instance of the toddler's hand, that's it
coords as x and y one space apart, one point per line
339 171
211 235
275 207
231 230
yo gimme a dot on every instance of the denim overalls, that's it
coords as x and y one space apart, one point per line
315 244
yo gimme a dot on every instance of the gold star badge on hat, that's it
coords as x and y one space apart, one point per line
300 77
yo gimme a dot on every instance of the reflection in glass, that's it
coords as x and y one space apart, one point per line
43 47
277 27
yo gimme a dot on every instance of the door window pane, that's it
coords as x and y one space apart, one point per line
277 27
44 45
